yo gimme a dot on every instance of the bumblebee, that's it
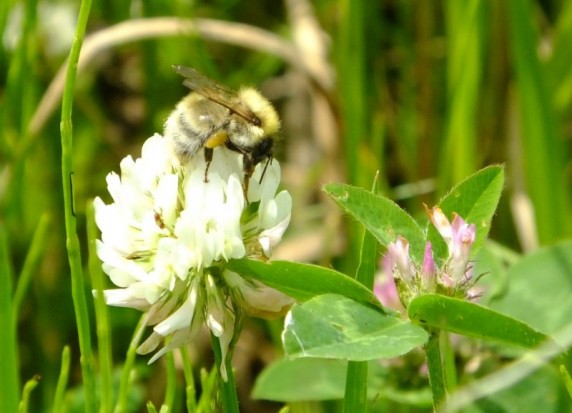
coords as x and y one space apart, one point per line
213 115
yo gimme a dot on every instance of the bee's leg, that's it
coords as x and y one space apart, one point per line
248 170
218 138
208 160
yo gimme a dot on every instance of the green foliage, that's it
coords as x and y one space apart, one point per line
28 388
302 379
332 326
567 380
59 394
539 289
541 390
356 388
9 377
475 199
466 25
72 239
543 150
379 215
472 320
302 281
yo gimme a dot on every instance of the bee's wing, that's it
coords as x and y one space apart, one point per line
215 92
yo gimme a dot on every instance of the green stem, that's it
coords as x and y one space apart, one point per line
355 399
59 397
72 241
9 376
190 388
31 262
437 378
171 386
28 388
228 387
566 379
125 380
449 366
102 325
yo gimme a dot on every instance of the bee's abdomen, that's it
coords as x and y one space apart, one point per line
191 124
186 140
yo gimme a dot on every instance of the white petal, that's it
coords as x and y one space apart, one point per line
182 317
166 198
215 308
123 298
269 238
161 309
268 214
100 209
235 195
150 344
178 338
114 186
258 299
149 291
122 271
262 191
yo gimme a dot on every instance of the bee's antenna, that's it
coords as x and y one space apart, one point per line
265 168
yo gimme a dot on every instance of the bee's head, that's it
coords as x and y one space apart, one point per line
262 150
262 108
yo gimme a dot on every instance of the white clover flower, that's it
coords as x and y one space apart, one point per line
167 234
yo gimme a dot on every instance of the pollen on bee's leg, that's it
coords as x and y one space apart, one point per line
218 138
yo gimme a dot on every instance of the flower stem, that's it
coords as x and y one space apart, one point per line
190 388
228 387
355 399
126 373
9 376
437 378
102 324
72 241
61 387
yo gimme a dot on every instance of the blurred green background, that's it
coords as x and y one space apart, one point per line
426 92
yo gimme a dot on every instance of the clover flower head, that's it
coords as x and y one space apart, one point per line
168 233
428 269
385 289
397 259
452 277
459 237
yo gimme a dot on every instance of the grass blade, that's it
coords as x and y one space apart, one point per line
124 381
58 405
31 262
544 152
9 379
72 241
102 324
28 388
464 71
